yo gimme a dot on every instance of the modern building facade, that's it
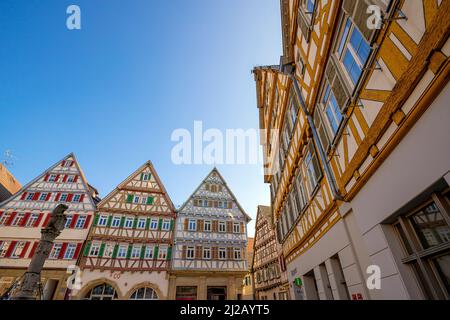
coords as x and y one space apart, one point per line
268 267
360 103
210 257
23 215
8 184
129 249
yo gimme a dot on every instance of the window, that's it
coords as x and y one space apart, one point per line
63 197
236 227
129 222
102 292
102 220
4 217
162 253
425 235
76 198
136 252
115 222
145 176
166 224
237 253
141 223
18 249
222 253
43 196
149 252
222 226
144 294
80 222
30 196
154 224
331 109
18 219
95 249
52 178
122 252
144 200
56 249
353 51
69 219
207 226
70 251
136 199
31 220
108 252
192 225
312 167
70 178
206 253
190 252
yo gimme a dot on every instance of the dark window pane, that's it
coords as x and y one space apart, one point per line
443 265
405 242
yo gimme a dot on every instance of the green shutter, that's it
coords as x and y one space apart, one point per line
159 224
155 253
97 216
87 248
147 224
142 176
172 222
109 220
130 247
130 198
122 221
143 252
102 249
169 253
116 249
150 200
135 222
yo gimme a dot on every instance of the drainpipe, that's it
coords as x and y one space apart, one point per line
323 157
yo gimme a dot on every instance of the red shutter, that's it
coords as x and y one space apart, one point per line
86 224
24 195
58 195
1 213
75 179
65 178
25 219
57 177
63 163
63 250
74 221
11 248
72 163
48 196
46 177
81 198
38 220
36 196
24 250
77 251
33 249
11 219
47 219
70 197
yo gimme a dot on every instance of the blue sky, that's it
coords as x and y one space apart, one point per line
114 91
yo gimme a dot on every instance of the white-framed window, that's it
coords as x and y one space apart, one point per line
31 220
141 223
144 200
70 251
353 51
43 196
4 217
18 249
190 253
115 221
129 222
136 252
71 178
102 220
136 199
207 226
166 224
122 252
29 197
192 226
331 109
18 219
69 218
154 224
236 227
95 249
76 198
222 253
109 249
162 253
146 176
68 163
52 178
222 226
312 167
206 253
56 249
237 253
80 222
4 246
149 252
63 197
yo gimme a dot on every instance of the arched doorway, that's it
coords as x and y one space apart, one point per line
144 293
102 291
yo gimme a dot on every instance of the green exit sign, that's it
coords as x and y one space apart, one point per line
298 282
